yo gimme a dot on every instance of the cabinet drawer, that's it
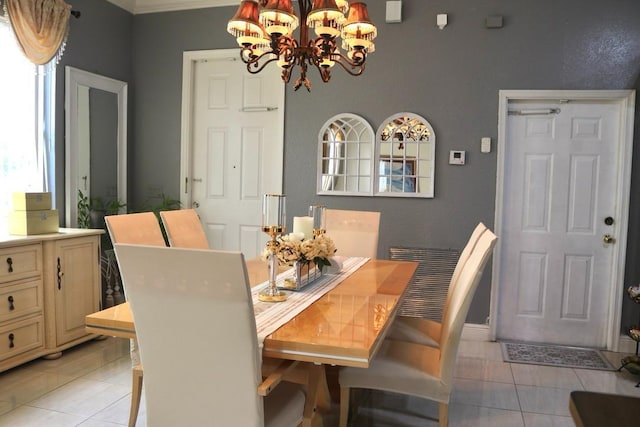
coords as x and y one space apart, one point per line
21 299
20 262
21 336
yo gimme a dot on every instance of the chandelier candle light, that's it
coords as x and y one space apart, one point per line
264 32
274 220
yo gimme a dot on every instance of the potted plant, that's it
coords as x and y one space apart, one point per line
91 212
99 208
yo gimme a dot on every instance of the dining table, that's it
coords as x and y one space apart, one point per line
343 327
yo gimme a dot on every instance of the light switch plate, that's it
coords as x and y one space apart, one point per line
457 157
441 20
394 12
485 145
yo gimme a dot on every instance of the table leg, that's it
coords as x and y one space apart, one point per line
318 398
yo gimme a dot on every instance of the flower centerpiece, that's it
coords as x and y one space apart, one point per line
294 248
308 256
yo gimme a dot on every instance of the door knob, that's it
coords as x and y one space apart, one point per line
195 204
608 238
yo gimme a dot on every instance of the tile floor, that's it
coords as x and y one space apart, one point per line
90 386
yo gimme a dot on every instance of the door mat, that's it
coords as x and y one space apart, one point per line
555 355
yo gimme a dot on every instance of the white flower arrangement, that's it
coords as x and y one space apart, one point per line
292 247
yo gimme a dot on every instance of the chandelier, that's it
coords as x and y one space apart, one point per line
264 32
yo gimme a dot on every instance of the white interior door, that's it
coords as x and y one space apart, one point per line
559 204
237 149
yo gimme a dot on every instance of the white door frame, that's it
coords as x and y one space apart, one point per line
626 100
189 59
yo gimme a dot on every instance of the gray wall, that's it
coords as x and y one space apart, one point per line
103 134
451 77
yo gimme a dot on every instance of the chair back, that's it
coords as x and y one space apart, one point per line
460 301
136 228
197 334
355 233
462 260
184 229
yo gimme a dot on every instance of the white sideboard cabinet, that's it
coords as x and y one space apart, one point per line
48 284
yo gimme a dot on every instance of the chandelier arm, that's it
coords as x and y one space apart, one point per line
348 65
253 65
286 74
325 73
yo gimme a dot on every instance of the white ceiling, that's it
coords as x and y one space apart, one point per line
149 6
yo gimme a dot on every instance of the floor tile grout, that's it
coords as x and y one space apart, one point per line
487 386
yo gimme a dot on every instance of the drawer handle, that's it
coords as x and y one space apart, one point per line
10 262
11 344
60 274
10 299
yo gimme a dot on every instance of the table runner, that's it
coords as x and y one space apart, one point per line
270 316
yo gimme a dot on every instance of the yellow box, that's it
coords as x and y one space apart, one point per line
25 223
31 201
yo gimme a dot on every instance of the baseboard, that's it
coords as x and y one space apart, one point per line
475 332
626 345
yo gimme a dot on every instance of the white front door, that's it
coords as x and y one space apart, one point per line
559 201
236 152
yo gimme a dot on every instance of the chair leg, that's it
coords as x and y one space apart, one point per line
443 415
344 405
136 394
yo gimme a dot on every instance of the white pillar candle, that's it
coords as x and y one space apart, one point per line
304 225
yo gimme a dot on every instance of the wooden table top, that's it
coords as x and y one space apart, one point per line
344 327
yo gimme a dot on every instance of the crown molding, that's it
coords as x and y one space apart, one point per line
128 5
152 6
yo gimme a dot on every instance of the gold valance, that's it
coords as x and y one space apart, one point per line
41 27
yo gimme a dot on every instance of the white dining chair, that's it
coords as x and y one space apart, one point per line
427 331
144 229
196 329
355 233
417 370
184 229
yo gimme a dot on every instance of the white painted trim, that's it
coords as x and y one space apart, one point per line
189 58
128 5
475 332
626 99
75 77
626 345
152 6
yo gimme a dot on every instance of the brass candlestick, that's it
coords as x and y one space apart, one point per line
273 224
317 212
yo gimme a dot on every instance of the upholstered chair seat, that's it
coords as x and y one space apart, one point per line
419 370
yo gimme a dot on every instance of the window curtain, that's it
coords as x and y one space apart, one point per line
41 27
